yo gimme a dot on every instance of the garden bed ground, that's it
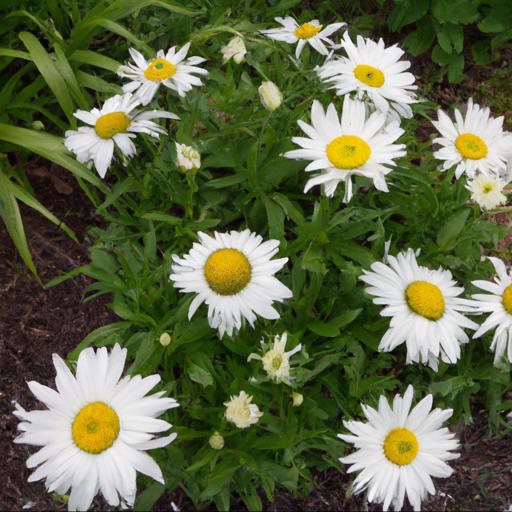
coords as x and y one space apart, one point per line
34 323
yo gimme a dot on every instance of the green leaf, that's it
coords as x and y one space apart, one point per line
50 73
104 335
406 13
95 59
452 228
420 40
147 498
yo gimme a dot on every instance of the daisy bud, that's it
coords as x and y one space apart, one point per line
297 399
216 441
165 339
270 95
189 158
241 412
235 50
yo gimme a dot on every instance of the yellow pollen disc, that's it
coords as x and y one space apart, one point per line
95 427
276 362
507 299
401 446
159 69
227 271
471 146
111 124
369 75
425 299
348 152
307 31
487 188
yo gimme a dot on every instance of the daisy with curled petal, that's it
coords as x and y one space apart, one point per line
474 142
233 273
115 124
498 302
171 69
399 450
276 361
374 72
424 306
96 429
241 412
355 144
311 33
487 191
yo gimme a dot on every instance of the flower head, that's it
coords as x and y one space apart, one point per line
374 72
312 33
276 361
487 191
297 399
270 95
216 441
241 412
357 143
170 69
96 429
473 143
233 273
235 50
399 450
189 159
114 125
424 306
497 302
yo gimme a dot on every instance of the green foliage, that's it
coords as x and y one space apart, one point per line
443 24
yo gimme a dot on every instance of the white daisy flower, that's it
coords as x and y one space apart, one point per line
241 412
498 302
355 144
487 191
235 50
276 361
171 69
96 429
234 275
474 142
424 307
312 33
399 450
189 159
374 72
115 124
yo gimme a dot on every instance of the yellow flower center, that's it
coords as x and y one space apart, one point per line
487 188
471 146
95 427
227 271
111 124
369 75
507 299
159 69
348 152
276 362
425 299
307 31
401 446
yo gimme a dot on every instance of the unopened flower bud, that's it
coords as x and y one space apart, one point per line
216 441
270 95
297 399
165 339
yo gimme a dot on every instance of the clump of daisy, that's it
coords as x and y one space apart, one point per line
487 191
356 143
189 159
475 142
399 450
114 125
233 273
235 50
373 72
96 429
171 69
241 412
276 361
312 33
497 302
424 306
